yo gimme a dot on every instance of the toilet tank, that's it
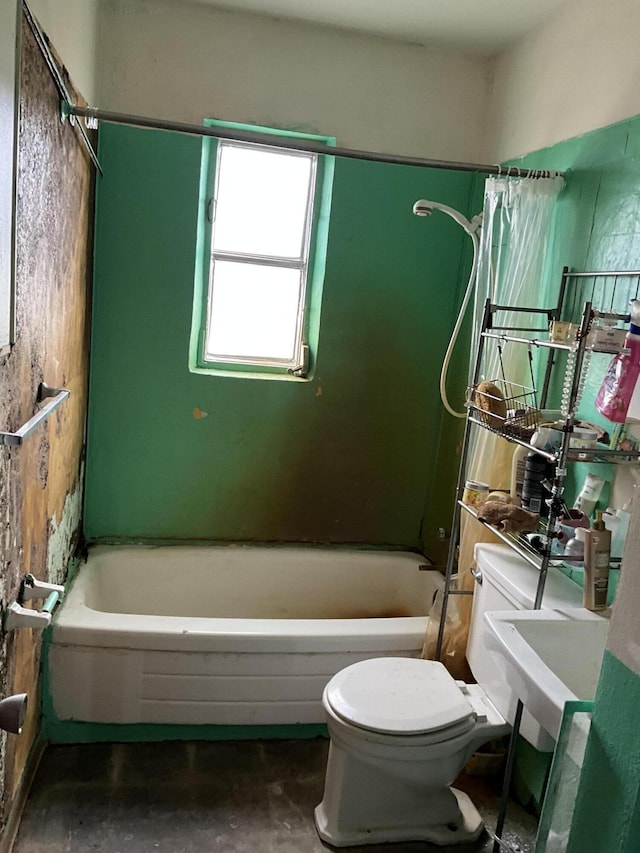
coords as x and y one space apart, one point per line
508 582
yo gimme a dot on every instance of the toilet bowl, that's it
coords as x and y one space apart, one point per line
401 730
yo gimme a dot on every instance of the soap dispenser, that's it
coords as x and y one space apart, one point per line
597 554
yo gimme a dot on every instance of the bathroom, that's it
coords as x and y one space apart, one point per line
363 453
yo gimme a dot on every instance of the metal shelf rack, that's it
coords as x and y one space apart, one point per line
578 293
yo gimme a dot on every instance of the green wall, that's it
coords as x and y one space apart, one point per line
598 228
349 457
607 811
598 221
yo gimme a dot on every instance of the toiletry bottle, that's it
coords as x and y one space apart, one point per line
617 521
618 385
605 336
537 469
612 522
589 494
596 565
624 515
517 473
574 549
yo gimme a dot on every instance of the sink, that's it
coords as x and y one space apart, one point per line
549 657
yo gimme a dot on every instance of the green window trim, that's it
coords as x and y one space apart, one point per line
316 263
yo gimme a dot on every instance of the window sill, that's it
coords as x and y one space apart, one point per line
249 374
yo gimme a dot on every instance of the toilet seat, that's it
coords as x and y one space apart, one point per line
401 697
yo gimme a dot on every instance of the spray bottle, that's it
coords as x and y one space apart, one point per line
620 379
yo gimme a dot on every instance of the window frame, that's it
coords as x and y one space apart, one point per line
312 262
10 40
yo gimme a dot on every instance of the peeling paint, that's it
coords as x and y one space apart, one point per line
41 481
63 535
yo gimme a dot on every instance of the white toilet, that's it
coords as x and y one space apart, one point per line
402 729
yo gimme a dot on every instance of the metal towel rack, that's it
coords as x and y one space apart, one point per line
56 396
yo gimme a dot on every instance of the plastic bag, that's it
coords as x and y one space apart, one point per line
454 644
618 385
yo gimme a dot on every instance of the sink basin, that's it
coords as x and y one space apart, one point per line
549 657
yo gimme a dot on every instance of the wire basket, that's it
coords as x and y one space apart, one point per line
505 407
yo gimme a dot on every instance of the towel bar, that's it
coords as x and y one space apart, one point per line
57 395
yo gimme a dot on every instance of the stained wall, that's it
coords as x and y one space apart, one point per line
187 61
578 72
41 482
347 457
72 25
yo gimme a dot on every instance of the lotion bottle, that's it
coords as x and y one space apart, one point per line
597 555
517 473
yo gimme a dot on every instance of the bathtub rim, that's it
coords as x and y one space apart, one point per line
76 623
86 627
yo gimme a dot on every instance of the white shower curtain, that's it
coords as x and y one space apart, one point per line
515 236
516 226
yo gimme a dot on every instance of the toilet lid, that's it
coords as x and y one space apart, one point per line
398 696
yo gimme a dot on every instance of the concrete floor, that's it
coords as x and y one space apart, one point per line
197 797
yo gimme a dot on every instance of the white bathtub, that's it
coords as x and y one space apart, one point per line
236 635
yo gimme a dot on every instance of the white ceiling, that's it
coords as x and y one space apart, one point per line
483 26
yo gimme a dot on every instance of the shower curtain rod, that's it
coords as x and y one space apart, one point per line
71 110
309 145
56 74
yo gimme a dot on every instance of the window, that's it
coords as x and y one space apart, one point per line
261 247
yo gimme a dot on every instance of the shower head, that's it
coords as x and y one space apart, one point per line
424 207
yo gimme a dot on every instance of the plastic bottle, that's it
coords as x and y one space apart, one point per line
537 469
574 549
617 521
624 515
619 383
517 474
612 523
605 337
589 494
597 555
